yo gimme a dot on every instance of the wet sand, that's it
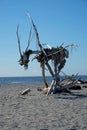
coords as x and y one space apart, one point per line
36 111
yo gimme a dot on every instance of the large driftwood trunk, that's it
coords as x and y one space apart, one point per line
43 55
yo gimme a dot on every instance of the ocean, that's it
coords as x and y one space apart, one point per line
26 80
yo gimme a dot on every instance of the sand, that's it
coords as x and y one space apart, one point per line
36 111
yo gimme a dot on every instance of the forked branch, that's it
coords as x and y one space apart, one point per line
29 39
18 41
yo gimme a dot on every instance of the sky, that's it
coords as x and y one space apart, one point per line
57 22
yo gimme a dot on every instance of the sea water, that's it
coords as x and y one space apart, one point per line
14 80
34 79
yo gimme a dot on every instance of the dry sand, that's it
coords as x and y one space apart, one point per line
36 111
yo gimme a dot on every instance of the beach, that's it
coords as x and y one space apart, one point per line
37 111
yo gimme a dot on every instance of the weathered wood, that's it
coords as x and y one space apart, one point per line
43 74
50 70
56 55
51 87
69 84
25 91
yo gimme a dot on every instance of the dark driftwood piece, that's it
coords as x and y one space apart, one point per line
43 55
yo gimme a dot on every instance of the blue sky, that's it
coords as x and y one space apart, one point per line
57 21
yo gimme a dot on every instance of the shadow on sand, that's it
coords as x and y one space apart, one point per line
70 95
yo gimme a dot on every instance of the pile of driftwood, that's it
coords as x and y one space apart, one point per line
65 85
43 55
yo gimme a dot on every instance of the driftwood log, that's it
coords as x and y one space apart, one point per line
25 91
57 55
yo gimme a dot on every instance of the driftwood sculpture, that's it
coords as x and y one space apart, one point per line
43 55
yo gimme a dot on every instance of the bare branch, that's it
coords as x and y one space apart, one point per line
37 36
18 41
29 39
36 32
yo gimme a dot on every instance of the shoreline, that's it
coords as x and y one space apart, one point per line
36 111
